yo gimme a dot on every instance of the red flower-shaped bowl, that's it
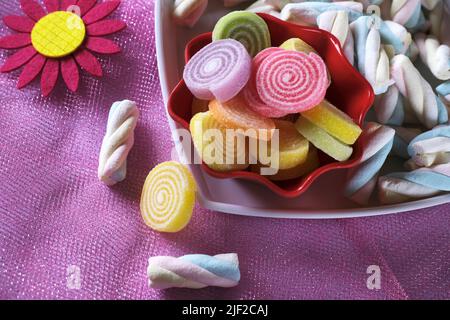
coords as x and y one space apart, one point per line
349 91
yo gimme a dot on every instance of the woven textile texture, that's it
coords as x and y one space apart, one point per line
55 214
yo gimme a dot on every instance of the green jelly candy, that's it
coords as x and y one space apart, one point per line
246 27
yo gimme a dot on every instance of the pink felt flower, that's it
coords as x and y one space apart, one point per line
33 57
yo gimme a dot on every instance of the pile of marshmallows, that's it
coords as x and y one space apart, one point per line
388 42
245 84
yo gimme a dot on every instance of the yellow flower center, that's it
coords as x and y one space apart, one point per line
58 34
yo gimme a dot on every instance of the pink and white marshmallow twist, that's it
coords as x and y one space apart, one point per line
118 141
377 143
419 96
435 55
338 24
194 271
188 12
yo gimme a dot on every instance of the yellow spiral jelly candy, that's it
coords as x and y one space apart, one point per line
219 148
334 121
297 44
292 150
323 141
168 197
199 106
311 164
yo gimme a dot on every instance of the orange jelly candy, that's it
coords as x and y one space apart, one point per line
235 114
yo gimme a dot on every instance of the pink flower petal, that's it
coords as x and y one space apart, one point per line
66 4
15 41
101 11
70 73
89 63
31 70
32 9
86 5
19 23
105 27
102 45
51 5
49 76
18 59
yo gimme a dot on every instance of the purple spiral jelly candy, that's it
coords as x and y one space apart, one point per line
218 71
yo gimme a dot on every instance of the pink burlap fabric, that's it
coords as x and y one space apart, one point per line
54 213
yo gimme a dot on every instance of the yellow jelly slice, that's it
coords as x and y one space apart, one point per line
58 34
311 164
297 44
219 148
168 197
323 141
292 149
334 121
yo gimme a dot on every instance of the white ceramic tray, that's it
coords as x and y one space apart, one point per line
324 199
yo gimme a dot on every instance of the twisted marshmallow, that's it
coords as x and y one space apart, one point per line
430 148
430 162
418 94
392 33
117 143
194 271
188 12
373 61
262 7
377 141
395 35
418 184
389 108
408 13
434 55
307 13
337 23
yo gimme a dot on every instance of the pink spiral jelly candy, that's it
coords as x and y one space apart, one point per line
292 81
250 92
218 71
